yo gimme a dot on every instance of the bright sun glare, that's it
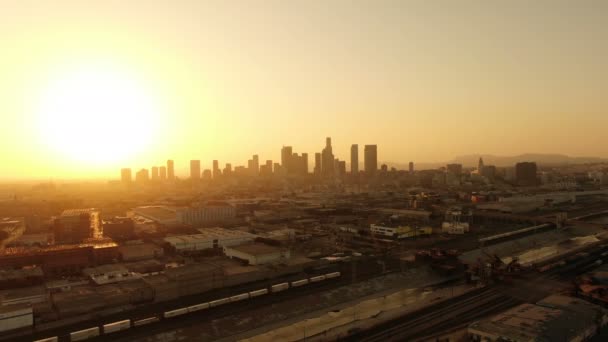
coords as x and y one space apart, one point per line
97 115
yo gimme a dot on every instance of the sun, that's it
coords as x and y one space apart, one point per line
97 114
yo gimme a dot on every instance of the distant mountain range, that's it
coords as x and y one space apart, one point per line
502 161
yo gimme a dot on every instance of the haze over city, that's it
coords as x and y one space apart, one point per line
89 87
303 170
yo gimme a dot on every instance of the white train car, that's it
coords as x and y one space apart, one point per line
279 287
145 321
332 275
116 326
84 334
219 302
198 307
317 279
49 339
239 297
257 293
298 283
177 312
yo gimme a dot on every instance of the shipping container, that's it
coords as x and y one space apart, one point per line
317 279
279 287
177 312
116 326
299 283
239 297
258 293
198 307
219 302
85 334
332 275
145 321
48 339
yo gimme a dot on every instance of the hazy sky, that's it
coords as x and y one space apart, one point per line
425 80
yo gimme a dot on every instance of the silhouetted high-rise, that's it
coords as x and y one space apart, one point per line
216 169
354 159
370 155
255 165
195 169
525 173
125 176
162 173
142 176
327 156
317 163
155 173
411 168
170 170
286 153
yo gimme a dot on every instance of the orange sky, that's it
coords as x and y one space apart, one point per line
425 80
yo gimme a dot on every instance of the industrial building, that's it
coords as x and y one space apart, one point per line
212 212
399 232
209 238
555 318
257 253
158 213
78 225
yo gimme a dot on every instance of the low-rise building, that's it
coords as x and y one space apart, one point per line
158 213
209 238
138 250
211 212
108 274
455 227
555 318
257 253
400 232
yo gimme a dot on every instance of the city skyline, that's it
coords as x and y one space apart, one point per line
427 81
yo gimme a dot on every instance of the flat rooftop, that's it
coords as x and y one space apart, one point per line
158 212
78 212
256 249
552 319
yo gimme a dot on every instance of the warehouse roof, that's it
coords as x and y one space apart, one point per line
256 249
552 319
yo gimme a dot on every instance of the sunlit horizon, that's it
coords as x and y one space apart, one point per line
425 81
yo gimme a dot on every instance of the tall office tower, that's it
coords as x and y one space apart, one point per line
250 166
125 176
327 159
216 169
411 167
155 173
170 170
370 156
207 174
227 169
354 159
286 153
304 162
525 174
269 165
341 168
256 165
142 176
480 165
195 169
317 164
163 173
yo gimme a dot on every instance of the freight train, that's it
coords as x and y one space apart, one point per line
113 327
